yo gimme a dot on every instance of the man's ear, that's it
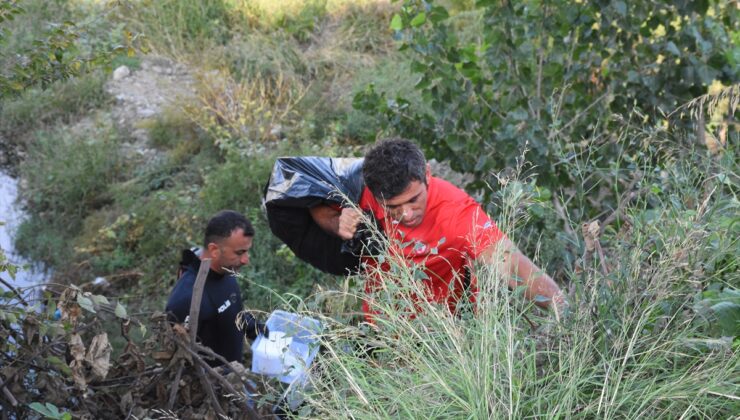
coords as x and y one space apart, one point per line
214 251
428 173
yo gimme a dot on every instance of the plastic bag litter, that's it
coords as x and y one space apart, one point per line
298 183
309 180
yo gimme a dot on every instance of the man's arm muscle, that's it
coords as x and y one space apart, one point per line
521 271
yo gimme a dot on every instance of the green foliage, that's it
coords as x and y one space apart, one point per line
720 310
543 76
132 62
40 239
61 102
173 130
388 77
49 411
68 175
176 27
303 24
638 342
46 43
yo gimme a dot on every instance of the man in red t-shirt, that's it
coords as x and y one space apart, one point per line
432 224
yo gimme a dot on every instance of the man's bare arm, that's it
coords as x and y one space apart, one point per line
342 224
521 271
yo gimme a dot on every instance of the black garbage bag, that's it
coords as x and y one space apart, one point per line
299 183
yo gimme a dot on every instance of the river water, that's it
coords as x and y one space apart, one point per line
12 216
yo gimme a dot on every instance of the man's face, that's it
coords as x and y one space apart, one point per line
231 253
408 208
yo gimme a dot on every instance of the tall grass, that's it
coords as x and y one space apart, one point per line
67 175
633 345
61 103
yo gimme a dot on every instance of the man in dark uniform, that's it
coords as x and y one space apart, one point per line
228 238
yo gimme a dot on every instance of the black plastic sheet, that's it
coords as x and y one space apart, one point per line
299 183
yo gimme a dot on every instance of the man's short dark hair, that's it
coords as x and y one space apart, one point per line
391 165
223 223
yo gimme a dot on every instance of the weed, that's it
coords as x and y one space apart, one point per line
67 176
133 63
68 173
180 27
265 56
632 346
62 102
243 114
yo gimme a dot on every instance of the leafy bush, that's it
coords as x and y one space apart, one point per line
49 42
544 77
62 102
178 27
68 174
388 77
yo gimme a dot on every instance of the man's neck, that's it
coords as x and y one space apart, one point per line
214 267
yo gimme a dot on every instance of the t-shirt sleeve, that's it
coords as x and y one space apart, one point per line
477 228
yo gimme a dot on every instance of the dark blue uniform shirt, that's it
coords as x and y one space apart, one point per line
218 310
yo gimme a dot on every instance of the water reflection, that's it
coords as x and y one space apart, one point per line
11 215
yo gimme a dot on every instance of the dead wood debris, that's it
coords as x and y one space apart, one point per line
169 376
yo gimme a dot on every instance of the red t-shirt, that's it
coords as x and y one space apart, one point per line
454 231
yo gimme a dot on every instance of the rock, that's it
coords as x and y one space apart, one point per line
101 281
146 112
277 131
121 72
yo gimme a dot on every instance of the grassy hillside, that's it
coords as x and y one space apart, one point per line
653 327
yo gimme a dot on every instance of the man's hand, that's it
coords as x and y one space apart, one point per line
251 327
349 219
342 224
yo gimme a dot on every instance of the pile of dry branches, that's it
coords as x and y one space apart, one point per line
61 367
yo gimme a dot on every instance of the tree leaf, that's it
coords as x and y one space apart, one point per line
39 408
620 7
99 299
419 20
121 311
85 303
396 22
728 318
672 48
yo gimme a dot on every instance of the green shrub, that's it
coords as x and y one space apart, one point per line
303 24
45 239
177 27
61 103
68 174
266 56
390 76
543 78
174 130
